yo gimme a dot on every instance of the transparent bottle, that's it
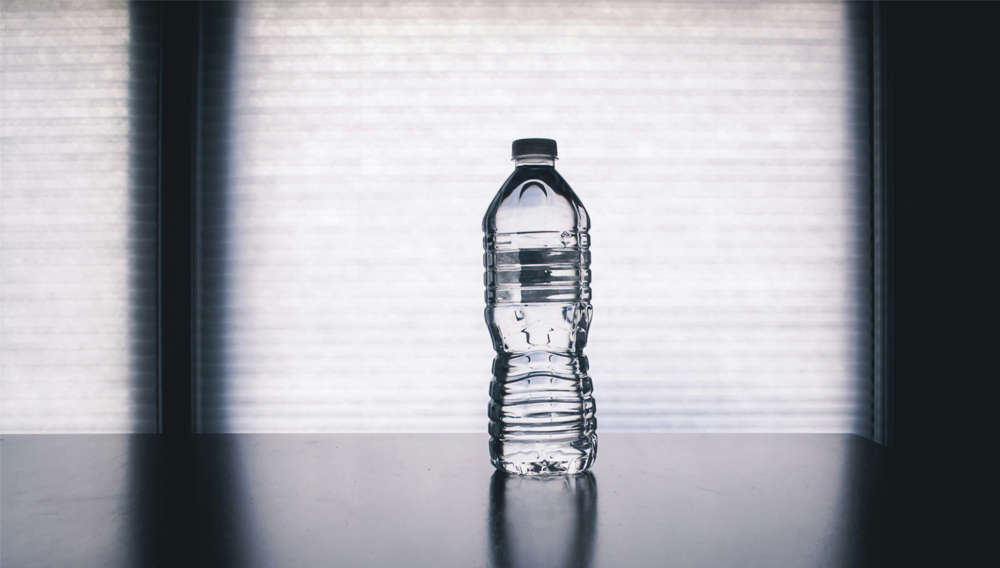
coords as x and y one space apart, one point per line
538 312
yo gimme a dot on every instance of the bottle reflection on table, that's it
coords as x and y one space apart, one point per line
546 521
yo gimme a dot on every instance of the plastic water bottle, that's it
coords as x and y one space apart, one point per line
538 312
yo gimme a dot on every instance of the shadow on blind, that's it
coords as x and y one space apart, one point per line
78 219
351 149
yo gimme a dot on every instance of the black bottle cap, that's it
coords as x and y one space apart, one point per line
533 147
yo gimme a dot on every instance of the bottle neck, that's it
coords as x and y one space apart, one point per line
535 160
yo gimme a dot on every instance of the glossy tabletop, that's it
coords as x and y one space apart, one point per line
434 500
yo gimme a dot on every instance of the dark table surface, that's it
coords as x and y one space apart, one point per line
434 500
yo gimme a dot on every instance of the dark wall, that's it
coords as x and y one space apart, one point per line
942 62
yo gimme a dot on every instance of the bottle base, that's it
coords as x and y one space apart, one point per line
544 457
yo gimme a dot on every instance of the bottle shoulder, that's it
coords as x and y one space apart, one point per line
536 199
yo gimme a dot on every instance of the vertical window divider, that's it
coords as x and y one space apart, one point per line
179 37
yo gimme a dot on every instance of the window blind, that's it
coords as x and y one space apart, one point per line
78 217
721 149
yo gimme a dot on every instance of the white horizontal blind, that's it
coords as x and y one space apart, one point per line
78 217
721 149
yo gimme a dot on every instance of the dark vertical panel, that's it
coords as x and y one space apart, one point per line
943 126
178 73
943 181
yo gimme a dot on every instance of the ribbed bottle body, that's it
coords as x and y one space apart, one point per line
542 411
